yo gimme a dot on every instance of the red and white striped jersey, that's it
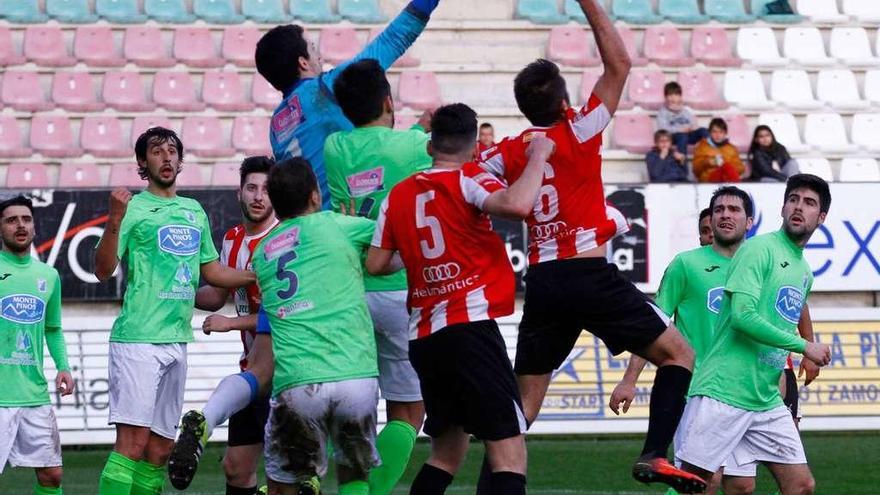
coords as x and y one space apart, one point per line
457 268
571 215
236 253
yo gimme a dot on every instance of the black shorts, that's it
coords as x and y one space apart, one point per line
792 394
564 297
248 426
467 381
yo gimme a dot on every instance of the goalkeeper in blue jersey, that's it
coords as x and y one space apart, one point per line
309 112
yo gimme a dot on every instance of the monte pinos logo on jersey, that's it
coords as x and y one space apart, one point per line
366 182
180 240
789 302
23 308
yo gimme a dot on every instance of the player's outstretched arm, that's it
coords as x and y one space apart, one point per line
107 255
220 323
223 276
518 200
625 391
805 328
613 52
382 261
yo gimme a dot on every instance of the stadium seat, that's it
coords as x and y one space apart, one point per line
728 11
313 11
338 44
239 45
792 88
745 89
859 170
700 91
804 45
27 175
223 91
362 11
826 132
419 90
265 11
22 12
44 45
710 46
540 12
141 124
838 88
102 137
75 92
588 82
632 47
190 175
664 47
816 166
94 45
407 60
635 12
738 131
144 46
758 46
865 11
120 11
573 11
851 47
633 132
250 135
124 91
52 136
866 131
646 88
195 47
72 174
263 94
168 11
404 121
174 90
70 11
205 137
23 92
10 139
682 11
759 8
225 174
571 45
821 11
872 86
785 129
125 175
217 11
8 53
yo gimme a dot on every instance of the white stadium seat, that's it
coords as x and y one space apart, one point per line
865 11
785 129
804 45
859 170
851 46
816 166
758 46
793 89
838 88
826 132
821 11
866 131
872 86
745 89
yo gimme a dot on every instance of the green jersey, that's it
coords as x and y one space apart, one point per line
30 297
310 277
738 370
691 290
363 165
164 242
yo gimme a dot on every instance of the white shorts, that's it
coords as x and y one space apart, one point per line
398 380
147 382
304 419
716 432
29 437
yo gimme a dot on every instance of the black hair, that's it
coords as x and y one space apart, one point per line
813 183
155 135
361 90
776 149
661 133
719 123
290 185
706 212
672 88
17 201
277 55
540 90
255 165
748 205
486 125
453 128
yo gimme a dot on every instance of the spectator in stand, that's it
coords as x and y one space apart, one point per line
715 159
665 163
486 137
769 159
678 119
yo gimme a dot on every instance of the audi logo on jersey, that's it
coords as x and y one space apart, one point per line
441 273
546 230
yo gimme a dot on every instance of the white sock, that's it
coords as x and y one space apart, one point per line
232 394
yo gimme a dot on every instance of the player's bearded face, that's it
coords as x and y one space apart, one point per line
17 228
162 164
729 220
801 213
254 198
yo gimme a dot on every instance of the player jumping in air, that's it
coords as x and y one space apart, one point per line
166 243
30 294
459 281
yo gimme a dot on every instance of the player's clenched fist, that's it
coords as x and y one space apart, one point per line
624 393
542 145
818 353
119 199
425 119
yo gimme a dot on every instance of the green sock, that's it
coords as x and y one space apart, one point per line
395 444
355 488
148 479
116 476
46 490
671 492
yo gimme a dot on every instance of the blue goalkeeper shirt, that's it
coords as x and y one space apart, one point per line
309 112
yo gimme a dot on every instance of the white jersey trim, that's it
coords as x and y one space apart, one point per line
586 126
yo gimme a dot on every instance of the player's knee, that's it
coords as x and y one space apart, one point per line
807 486
50 477
239 470
739 486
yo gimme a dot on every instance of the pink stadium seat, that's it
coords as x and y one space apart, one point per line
664 47
263 94
738 131
27 175
205 137
74 91
52 136
124 91
570 45
79 175
144 46
646 88
102 137
125 175
44 45
225 174
404 121
632 47
190 175
633 132
700 91
23 92
239 45
419 90
588 82
195 47
711 46
338 44
407 60
174 91
8 54
223 91
94 45
141 124
250 135
10 139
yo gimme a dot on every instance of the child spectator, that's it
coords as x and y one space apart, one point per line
715 159
770 160
665 163
486 137
678 119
